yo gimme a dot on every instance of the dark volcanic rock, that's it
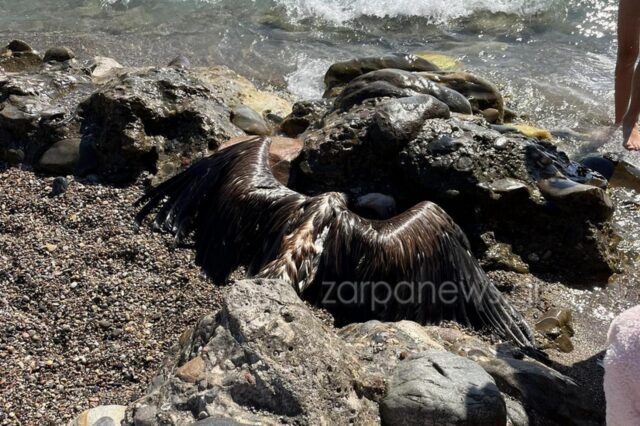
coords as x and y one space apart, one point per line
482 94
397 121
154 120
303 115
265 358
398 83
524 191
342 73
439 388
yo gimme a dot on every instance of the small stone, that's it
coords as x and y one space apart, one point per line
249 120
180 62
102 67
14 156
59 186
59 54
492 115
192 371
19 46
51 247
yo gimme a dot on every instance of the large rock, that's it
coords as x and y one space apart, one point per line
439 388
342 73
505 186
155 120
237 90
264 358
37 109
544 392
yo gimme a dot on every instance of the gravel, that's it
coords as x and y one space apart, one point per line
89 304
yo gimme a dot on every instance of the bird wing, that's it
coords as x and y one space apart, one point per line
416 266
240 215
233 206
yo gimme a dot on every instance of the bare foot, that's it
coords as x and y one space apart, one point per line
631 137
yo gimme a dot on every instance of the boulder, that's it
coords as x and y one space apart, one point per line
544 392
439 388
264 358
506 184
62 157
381 346
38 109
481 93
398 84
153 120
342 73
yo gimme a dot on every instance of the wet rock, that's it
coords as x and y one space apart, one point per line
568 194
62 157
398 83
58 54
531 383
357 92
180 62
303 115
237 90
38 109
342 73
399 120
436 388
249 120
500 256
487 181
19 46
557 326
482 94
106 415
155 120
266 359
102 67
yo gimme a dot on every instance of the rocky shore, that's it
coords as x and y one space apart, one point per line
97 312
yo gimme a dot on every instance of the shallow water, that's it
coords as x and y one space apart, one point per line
554 58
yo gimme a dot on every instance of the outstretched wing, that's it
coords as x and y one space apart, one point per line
415 266
233 206
240 215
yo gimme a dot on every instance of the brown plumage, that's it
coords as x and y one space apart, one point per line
240 215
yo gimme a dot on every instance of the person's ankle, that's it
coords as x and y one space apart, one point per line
629 122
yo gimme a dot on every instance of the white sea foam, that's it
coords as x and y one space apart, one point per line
306 82
438 11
